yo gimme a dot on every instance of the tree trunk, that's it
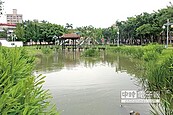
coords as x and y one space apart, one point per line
141 40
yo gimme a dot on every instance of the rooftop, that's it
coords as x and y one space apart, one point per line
4 24
70 36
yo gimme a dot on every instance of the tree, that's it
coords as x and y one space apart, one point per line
38 31
20 32
3 33
145 26
69 26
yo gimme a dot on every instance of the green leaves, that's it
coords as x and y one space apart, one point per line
38 31
158 74
20 32
91 53
145 26
21 92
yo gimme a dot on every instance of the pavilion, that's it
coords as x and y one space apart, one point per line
72 37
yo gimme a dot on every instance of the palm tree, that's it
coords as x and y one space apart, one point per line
69 26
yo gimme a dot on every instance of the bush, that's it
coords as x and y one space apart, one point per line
21 92
155 48
150 56
90 53
160 78
46 50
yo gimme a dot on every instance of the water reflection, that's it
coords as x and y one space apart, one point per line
61 59
91 86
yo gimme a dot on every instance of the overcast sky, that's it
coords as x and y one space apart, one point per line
99 13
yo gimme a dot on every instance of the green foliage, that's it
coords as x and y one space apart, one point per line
141 29
150 56
154 47
148 53
160 78
136 52
38 31
3 34
20 32
90 53
46 50
152 52
145 26
94 34
21 92
144 29
158 73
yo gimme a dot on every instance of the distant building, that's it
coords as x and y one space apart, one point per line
4 42
14 18
8 27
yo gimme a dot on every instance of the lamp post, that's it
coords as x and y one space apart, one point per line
55 37
14 37
118 36
167 31
31 42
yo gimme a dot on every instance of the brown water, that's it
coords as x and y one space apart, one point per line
90 86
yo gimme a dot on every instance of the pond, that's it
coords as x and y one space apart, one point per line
91 86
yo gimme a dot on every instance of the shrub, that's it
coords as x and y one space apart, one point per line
90 53
21 92
150 56
160 78
46 50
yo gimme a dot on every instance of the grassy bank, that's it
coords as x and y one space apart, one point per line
21 92
36 52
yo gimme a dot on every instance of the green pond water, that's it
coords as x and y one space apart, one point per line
91 86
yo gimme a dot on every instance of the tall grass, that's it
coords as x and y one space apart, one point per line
147 53
21 92
158 73
160 78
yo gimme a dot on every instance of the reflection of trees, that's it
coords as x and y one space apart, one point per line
49 63
70 60
131 66
58 60
124 63
90 62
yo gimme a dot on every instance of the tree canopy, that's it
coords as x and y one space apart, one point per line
138 29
